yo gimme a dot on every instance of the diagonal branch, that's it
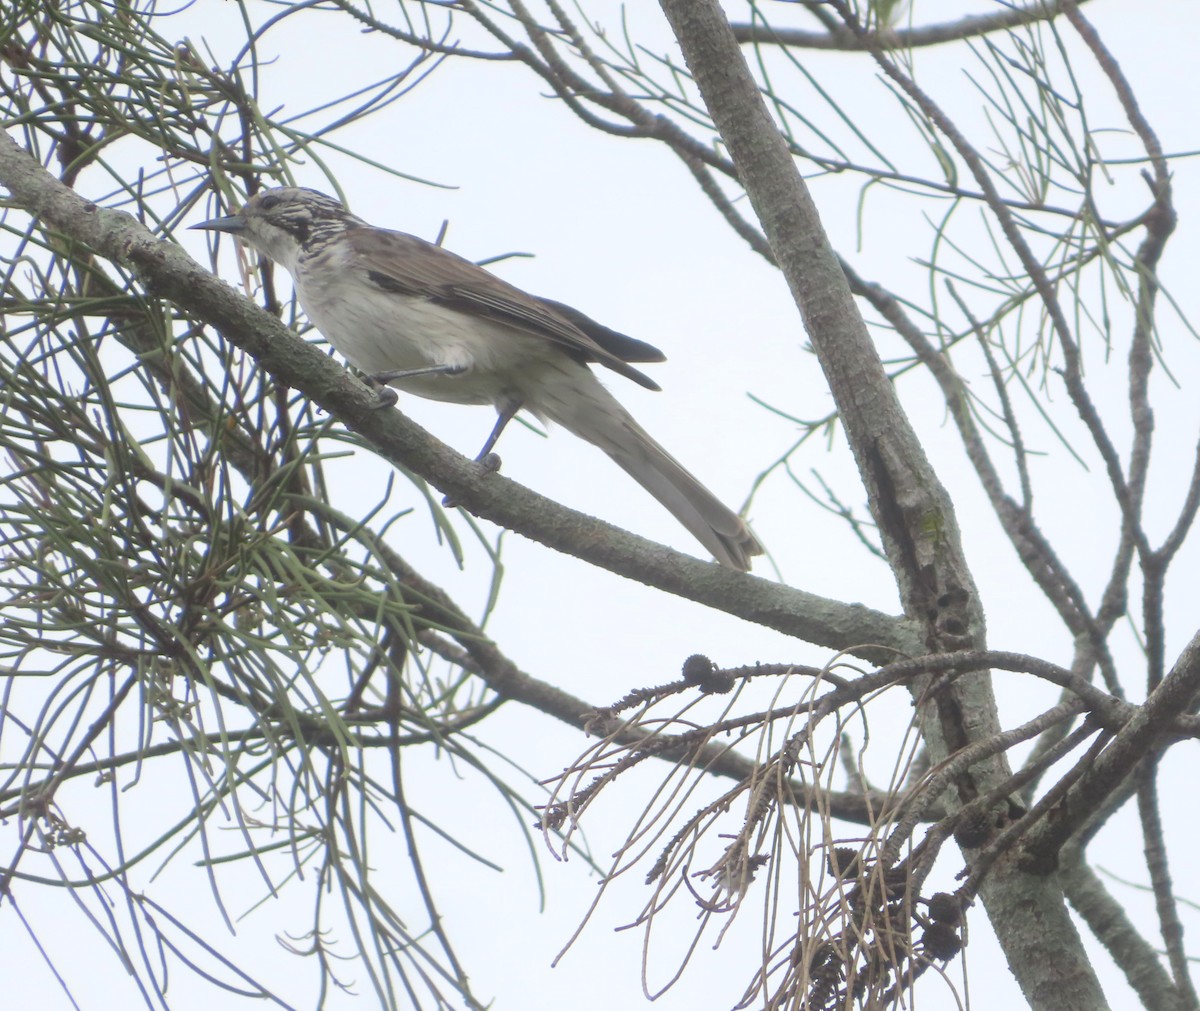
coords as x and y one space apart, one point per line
841 38
169 272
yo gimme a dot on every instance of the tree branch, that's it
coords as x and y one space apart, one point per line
842 38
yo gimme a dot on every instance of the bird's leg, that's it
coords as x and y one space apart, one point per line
387 396
426 370
504 415
487 459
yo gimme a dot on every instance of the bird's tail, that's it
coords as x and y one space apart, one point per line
585 408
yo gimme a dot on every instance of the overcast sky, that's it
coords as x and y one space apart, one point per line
617 229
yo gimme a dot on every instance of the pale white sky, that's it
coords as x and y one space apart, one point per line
619 231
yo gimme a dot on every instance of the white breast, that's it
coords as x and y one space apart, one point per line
378 331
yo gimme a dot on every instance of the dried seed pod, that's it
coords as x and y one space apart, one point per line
973 830
945 908
700 671
941 941
844 862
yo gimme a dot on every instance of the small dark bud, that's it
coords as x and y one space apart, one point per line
717 684
941 941
973 830
823 959
945 908
697 668
896 879
844 862
700 671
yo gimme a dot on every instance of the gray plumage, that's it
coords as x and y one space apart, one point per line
394 304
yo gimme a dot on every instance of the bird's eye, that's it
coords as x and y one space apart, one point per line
268 200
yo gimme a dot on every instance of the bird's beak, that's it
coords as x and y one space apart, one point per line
234 224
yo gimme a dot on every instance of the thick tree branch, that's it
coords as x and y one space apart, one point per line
1174 696
911 507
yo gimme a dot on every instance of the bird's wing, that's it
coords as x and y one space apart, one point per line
628 349
406 265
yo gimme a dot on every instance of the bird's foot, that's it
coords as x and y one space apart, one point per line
385 397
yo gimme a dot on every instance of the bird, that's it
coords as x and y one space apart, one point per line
412 315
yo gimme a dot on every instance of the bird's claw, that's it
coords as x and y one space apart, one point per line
386 397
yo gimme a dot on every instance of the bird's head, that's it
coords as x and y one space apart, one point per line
280 222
